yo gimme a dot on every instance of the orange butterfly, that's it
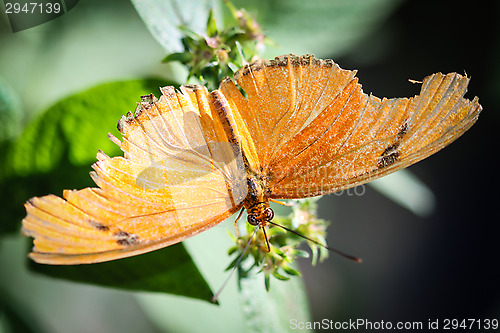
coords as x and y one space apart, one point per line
193 158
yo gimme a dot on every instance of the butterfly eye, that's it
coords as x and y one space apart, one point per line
252 219
269 213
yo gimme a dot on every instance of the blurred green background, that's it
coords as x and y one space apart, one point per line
416 268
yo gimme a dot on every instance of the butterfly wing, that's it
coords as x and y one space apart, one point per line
316 132
283 96
178 177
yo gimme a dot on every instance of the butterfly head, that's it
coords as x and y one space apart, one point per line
260 214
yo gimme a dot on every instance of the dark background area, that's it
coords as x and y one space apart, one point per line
414 268
444 265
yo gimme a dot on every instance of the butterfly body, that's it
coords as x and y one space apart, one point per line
257 202
288 128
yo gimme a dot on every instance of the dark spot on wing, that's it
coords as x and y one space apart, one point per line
282 61
126 239
390 149
148 99
226 79
387 160
252 67
403 129
168 91
389 156
193 87
128 119
328 62
99 226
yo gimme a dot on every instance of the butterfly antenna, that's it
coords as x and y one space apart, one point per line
345 255
236 265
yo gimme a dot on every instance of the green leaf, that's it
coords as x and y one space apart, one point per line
20 189
290 270
10 112
321 27
169 270
272 311
163 19
181 57
407 190
267 282
211 24
15 317
75 128
280 277
244 307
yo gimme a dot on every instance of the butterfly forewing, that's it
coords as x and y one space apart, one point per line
406 135
283 96
324 134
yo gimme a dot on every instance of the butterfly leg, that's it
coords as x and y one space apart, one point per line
281 203
236 223
267 240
